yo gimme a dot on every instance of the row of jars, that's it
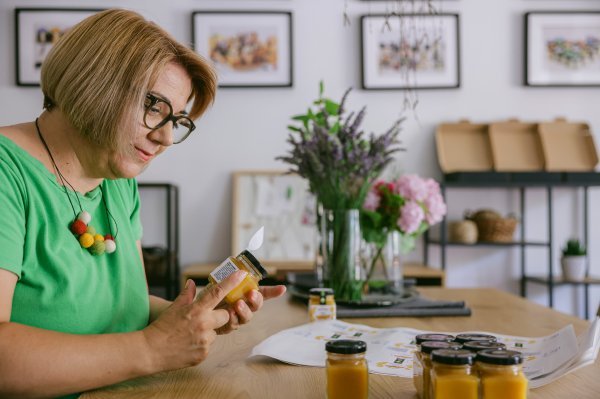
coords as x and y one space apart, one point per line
468 366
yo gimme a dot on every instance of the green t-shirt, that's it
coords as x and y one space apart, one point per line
61 286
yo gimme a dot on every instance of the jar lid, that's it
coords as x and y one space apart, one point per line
462 338
476 346
321 291
500 356
346 346
453 356
430 346
259 268
433 337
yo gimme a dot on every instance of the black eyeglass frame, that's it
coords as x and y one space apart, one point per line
155 99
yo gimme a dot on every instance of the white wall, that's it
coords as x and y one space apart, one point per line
246 127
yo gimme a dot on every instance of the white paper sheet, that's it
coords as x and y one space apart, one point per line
390 350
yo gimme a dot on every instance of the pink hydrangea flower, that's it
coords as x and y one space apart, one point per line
436 208
434 203
412 187
433 187
411 217
372 201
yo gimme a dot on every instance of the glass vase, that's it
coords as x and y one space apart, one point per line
341 245
384 263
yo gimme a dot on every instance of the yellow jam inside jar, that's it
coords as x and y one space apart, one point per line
244 261
321 305
452 376
422 366
347 370
501 374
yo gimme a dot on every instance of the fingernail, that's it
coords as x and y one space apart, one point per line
187 284
242 274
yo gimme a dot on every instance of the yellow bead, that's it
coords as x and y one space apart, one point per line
98 237
86 240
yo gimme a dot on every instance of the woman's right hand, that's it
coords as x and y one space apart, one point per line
182 335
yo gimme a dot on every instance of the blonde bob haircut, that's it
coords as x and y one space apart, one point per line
98 74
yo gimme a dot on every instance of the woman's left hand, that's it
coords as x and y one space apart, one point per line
242 311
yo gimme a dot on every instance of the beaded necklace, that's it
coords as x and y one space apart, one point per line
88 237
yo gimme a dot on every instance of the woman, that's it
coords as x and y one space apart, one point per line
75 313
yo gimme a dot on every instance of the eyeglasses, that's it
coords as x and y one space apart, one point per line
159 111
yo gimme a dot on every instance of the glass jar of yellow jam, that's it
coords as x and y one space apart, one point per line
321 304
422 371
418 365
462 338
347 370
244 261
501 373
452 375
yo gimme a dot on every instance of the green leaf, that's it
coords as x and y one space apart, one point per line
331 107
294 128
336 128
302 118
321 88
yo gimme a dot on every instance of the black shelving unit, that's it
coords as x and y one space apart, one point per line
171 278
582 181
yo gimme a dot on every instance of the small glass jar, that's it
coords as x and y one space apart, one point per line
501 373
244 261
321 304
452 375
347 370
422 365
462 338
418 365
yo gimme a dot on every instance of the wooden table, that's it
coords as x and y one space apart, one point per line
229 374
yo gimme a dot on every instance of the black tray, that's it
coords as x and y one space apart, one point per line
301 283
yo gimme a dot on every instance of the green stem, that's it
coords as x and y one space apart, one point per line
373 262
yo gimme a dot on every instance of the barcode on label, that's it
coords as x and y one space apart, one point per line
224 270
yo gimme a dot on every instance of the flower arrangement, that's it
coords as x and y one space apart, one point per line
336 157
340 162
409 205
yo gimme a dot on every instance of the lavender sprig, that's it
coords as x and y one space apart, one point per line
334 155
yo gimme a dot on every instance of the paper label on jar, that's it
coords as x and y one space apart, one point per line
224 270
321 312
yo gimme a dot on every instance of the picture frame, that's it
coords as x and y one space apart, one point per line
562 49
249 48
385 66
282 203
36 31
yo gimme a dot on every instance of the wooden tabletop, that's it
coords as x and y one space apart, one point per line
227 373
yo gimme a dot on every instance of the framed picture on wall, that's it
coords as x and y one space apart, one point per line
36 31
281 203
562 48
410 51
248 48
